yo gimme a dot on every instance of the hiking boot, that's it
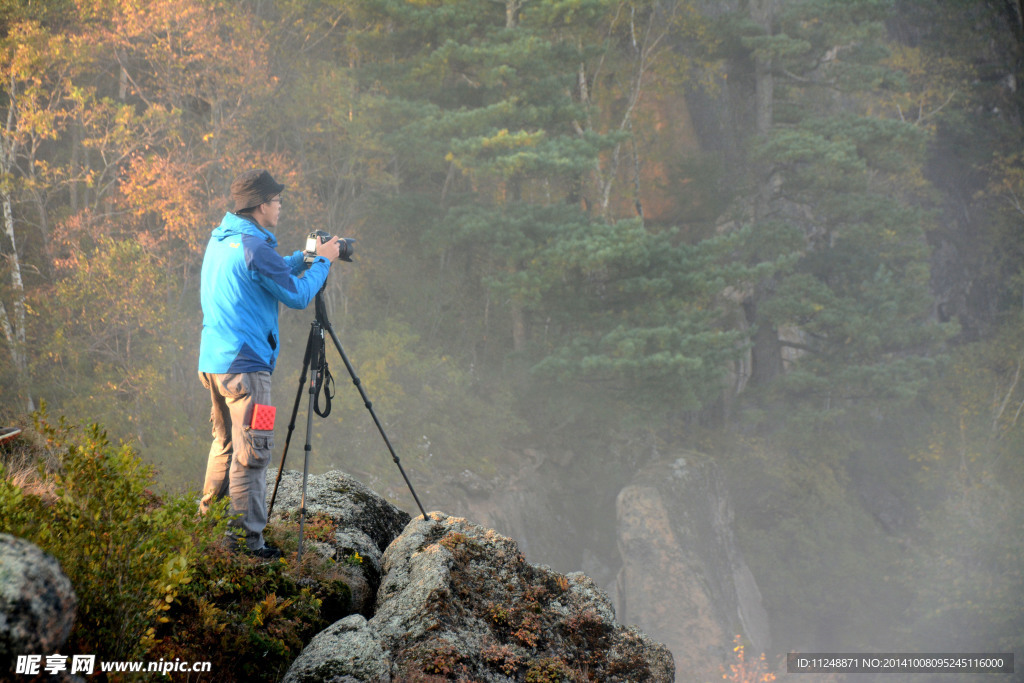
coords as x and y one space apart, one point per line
267 552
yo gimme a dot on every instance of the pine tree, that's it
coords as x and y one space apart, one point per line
837 208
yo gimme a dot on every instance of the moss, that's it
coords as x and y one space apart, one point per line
528 634
442 658
549 670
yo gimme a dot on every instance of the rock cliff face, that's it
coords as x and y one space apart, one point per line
677 572
683 579
457 601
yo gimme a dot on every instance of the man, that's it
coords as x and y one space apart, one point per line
243 281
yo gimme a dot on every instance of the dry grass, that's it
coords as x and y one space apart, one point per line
23 458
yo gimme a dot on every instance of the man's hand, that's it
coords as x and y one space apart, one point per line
330 250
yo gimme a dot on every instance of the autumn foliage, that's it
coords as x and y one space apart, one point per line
785 233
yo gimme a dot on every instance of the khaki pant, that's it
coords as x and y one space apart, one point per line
239 455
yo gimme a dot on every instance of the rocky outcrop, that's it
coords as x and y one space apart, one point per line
37 601
366 524
683 578
460 601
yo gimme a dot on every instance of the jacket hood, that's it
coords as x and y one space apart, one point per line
234 225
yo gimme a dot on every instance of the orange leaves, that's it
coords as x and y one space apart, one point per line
743 671
165 191
34 80
210 57
139 99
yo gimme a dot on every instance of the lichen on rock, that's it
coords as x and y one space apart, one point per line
460 602
37 601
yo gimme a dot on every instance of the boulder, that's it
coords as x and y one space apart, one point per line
683 578
459 601
366 524
37 601
347 652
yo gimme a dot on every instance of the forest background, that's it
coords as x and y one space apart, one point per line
783 233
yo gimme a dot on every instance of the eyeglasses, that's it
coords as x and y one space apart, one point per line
278 200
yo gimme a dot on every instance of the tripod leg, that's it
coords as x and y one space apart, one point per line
291 423
369 406
315 356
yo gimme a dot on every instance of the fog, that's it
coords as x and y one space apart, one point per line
718 303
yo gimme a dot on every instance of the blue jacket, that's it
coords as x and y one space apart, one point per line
243 280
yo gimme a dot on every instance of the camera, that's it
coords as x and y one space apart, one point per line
345 244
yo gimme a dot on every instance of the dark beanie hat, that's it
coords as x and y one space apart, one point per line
253 188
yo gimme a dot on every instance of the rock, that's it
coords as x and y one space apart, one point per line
37 601
345 500
348 651
683 578
366 525
458 600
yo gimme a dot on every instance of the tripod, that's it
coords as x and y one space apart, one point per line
315 362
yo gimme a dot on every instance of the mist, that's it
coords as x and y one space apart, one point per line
718 303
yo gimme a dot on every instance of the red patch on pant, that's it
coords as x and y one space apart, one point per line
263 417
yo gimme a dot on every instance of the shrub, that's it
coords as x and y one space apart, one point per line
249 618
153 579
743 670
550 670
126 552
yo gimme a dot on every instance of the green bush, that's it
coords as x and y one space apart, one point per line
126 552
248 618
153 578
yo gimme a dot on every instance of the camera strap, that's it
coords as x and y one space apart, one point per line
325 382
